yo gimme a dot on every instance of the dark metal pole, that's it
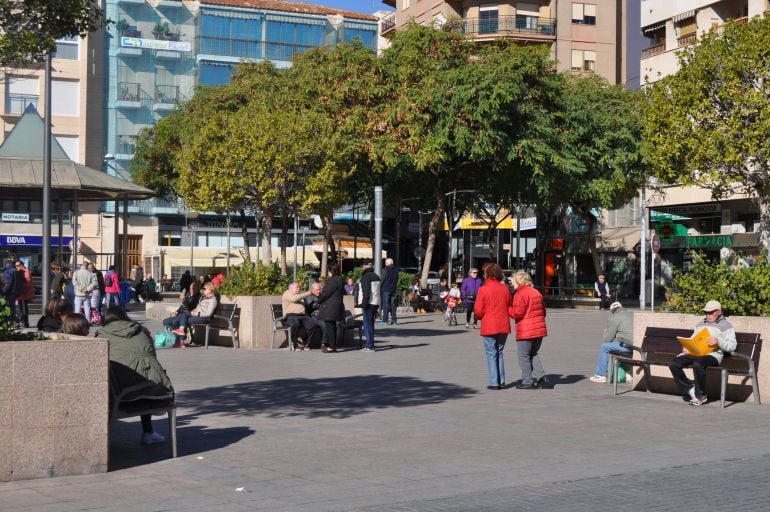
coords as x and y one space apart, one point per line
116 240
124 244
227 271
45 266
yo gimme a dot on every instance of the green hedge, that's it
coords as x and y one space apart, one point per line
741 291
258 279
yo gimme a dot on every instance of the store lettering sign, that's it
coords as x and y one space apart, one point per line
15 217
694 242
155 44
30 241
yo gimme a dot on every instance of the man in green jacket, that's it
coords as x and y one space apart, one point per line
618 336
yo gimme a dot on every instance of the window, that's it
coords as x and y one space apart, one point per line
235 37
211 73
406 4
584 14
65 98
67 48
488 19
583 60
21 91
527 16
366 33
71 146
686 31
288 36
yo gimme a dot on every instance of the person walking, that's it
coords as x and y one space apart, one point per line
185 281
9 286
84 282
389 293
492 303
528 310
112 286
469 288
331 309
368 298
27 292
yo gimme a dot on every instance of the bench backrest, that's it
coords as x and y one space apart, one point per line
276 310
223 315
662 340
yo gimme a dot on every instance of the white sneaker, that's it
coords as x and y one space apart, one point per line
152 438
602 379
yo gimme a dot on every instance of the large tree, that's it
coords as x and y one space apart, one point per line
708 124
457 113
602 163
29 28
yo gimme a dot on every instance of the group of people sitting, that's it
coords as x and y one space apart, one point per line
197 308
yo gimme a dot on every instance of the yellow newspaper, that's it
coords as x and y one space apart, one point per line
697 345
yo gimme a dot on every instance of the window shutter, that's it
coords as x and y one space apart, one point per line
589 10
577 12
688 27
577 59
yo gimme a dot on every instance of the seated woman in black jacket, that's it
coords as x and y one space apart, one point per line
55 311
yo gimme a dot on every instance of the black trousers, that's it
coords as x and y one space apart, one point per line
699 365
332 333
296 321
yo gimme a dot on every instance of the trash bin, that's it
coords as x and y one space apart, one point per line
125 293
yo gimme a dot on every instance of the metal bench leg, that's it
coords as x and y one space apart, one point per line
206 341
754 383
272 343
723 387
172 429
611 369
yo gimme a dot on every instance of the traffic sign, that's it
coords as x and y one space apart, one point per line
655 243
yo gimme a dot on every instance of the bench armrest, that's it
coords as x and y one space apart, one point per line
741 356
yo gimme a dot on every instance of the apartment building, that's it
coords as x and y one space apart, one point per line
687 218
77 111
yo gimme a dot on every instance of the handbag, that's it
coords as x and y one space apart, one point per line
164 339
470 297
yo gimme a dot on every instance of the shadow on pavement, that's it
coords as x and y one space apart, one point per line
333 397
412 332
391 347
556 380
127 452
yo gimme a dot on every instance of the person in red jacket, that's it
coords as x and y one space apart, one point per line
492 303
27 292
528 310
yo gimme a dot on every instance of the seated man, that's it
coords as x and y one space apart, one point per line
722 340
617 335
200 315
311 309
294 311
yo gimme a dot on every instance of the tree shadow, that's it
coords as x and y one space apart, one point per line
380 346
408 332
125 450
331 397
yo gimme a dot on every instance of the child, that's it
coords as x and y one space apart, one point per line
452 299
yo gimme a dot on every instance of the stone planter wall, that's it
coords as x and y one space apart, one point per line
738 388
53 408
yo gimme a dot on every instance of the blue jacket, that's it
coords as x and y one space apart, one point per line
390 281
9 280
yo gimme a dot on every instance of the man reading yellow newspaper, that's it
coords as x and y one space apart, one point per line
711 338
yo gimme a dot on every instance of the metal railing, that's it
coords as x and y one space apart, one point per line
653 50
167 94
17 103
510 25
687 40
388 22
131 32
129 91
250 48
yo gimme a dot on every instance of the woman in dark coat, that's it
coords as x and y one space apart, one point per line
133 361
331 309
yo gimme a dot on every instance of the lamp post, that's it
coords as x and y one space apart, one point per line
304 232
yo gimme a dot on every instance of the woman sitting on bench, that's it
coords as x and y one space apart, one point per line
200 315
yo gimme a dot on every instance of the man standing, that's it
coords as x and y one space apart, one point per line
389 293
722 340
294 311
618 336
9 286
25 292
368 298
602 290
84 283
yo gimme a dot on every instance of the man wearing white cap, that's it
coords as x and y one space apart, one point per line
618 336
722 339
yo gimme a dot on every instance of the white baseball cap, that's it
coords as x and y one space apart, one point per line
712 305
615 305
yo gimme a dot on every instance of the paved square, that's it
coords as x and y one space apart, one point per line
412 427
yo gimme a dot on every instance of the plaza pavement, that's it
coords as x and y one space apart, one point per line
412 427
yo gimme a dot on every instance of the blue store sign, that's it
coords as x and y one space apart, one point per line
31 241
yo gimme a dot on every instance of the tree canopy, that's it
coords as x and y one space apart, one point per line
29 28
707 124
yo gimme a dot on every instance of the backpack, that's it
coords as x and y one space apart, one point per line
164 339
108 280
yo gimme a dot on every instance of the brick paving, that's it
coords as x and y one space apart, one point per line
412 427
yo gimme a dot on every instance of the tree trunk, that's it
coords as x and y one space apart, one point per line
284 234
245 233
435 222
591 222
326 225
267 232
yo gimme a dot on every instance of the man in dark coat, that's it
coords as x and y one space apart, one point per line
331 308
9 286
389 293
368 298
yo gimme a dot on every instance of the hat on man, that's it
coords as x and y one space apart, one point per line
712 305
615 305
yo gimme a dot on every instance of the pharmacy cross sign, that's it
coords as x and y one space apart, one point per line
666 231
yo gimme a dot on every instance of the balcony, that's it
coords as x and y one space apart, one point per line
166 97
388 23
653 50
16 104
686 40
225 46
284 51
529 27
125 147
129 96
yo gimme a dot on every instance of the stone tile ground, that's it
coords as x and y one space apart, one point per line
413 428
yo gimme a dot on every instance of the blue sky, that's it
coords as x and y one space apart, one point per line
366 6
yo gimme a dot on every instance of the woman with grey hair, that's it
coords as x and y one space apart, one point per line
528 310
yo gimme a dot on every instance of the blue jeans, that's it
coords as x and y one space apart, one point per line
493 346
389 306
604 350
85 303
369 313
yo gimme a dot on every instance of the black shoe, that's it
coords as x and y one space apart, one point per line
541 382
193 344
527 386
494 387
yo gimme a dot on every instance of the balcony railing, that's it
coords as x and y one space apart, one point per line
653 50
284 51
131 32
510 25
129 91
17 103
389 22
167 94
687 40
250 48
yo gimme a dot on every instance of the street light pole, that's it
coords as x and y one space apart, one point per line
643 243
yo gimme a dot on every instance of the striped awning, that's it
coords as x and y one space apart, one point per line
652 28
683 16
